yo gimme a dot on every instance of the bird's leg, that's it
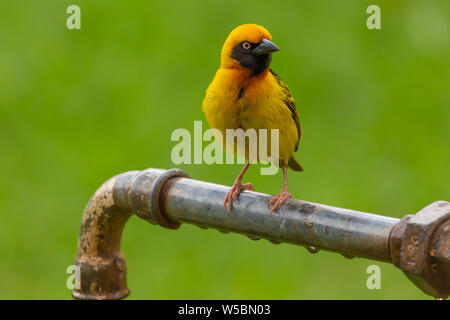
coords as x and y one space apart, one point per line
236 189
278 200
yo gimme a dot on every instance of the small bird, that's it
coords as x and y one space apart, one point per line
246 94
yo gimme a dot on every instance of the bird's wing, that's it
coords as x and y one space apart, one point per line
289 102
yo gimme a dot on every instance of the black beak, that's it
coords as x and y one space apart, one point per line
265 47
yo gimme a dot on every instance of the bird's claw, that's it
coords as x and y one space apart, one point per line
233 193
278 200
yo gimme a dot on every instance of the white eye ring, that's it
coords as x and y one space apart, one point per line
246 45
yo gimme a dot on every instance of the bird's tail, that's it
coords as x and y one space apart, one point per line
294 165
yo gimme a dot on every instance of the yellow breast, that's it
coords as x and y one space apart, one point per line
259 106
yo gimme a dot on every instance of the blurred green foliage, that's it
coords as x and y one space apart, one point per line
79 106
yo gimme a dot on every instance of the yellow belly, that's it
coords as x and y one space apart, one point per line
260 107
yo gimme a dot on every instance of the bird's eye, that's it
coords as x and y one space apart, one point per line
246 45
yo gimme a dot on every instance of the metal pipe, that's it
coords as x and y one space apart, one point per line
169 198
349 232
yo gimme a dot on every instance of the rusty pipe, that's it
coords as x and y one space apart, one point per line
169 198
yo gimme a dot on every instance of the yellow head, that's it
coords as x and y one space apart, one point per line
248 47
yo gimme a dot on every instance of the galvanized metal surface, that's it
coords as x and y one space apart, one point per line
298 222
169 198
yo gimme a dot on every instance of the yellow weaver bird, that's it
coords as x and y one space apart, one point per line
246 94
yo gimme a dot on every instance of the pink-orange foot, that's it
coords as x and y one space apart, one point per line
278 200
233 193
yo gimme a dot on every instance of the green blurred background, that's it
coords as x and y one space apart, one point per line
79 106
